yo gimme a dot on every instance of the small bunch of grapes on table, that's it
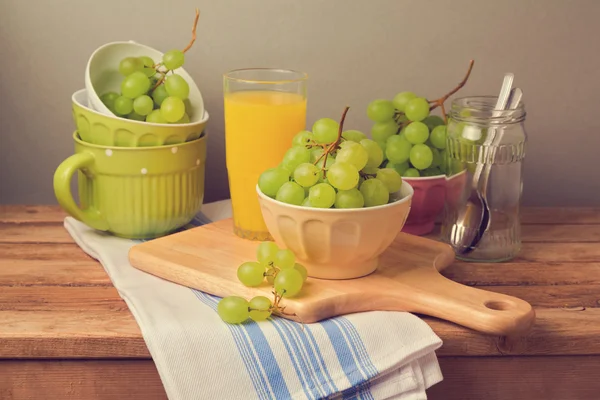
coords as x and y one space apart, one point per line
280 269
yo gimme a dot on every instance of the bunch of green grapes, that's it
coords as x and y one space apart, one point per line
413 141
279 268
148 93
324 169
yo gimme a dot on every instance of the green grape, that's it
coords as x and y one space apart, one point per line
303 271
156 117
315 154
285 258
370 170
288 282
399 167
136 117
135 85
437 157
306 202
290 193
149 72
108 99
184 120
417 109
352 198
421 156
271 180
380 110
251 274
322 195
411 173
177 86
342 176
381 131
401 100
390 178
143 105
294 157
325 130
434 171
353 154
260 308
353 135
438 137
302 138
233 309
416 133
398 149
147 61
270 275
382 145
328 163
265 253
306 174
173 59
374 192
129 65
374 152
123 105
172 109
159 94
432 121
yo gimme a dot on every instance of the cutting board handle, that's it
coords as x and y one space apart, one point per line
481 310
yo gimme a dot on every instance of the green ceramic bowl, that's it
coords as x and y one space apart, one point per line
109 130
136 193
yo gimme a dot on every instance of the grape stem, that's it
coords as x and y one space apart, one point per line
440 102
367 176
333 145
191 43
161 80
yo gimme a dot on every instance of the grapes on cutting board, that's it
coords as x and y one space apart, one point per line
273 266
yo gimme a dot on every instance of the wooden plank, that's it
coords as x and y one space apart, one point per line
52 273
518 378
552 296
556 332
61 298
559 252
465 378
560 215
42 252
31 213
34 233
69 334
561 233
524 273
77 380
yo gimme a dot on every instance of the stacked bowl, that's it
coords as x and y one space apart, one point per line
136 179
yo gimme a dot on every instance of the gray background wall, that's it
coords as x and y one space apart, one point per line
354 51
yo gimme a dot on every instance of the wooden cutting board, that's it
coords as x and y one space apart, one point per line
206 258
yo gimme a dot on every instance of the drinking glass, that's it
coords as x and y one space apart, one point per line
264 109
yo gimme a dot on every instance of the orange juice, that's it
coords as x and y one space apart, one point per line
259 127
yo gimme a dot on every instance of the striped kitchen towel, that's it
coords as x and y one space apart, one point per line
371 355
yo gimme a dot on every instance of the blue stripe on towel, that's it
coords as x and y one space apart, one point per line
257 381
365 360
321 375
263 350
344 353
301 370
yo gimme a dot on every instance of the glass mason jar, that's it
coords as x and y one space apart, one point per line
484 166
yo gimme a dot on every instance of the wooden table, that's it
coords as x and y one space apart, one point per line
65 333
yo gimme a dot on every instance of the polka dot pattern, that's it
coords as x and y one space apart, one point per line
144 171
108 152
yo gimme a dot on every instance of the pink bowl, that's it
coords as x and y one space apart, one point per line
431 193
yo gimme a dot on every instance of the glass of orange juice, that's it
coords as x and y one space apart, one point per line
264 109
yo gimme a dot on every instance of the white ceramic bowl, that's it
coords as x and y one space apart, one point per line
102 75
337 243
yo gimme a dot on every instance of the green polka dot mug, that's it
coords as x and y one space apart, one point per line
134 192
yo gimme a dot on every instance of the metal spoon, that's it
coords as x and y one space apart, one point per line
473 219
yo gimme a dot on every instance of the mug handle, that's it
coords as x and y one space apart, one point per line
62 190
